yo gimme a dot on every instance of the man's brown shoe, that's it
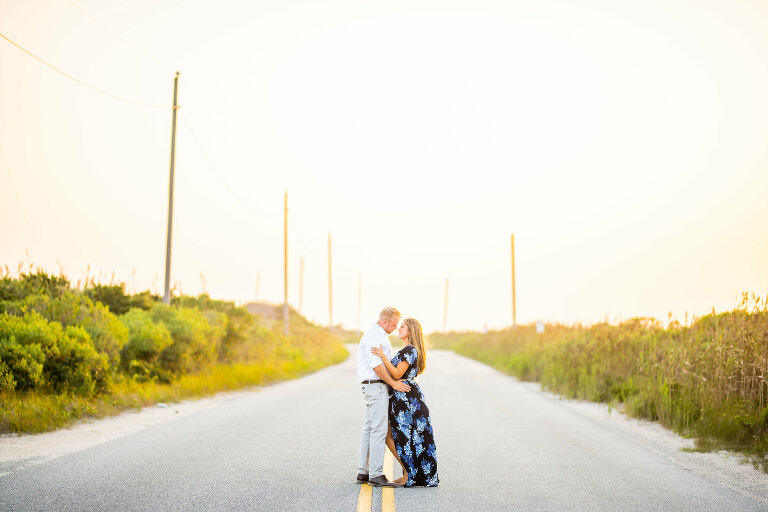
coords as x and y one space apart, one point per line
381 481
361 478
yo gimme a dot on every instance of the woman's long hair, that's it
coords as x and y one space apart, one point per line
416 338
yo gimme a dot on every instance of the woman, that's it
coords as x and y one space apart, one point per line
410 436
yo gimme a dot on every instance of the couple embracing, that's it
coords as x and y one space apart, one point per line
396 416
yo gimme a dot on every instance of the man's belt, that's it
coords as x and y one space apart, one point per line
372 381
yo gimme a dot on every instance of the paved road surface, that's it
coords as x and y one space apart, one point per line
501 445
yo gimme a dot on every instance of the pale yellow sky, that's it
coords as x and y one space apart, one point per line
624 143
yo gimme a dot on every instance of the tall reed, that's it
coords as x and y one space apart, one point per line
708 380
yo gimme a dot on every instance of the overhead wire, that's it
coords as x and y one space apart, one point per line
196 140
86 84
184 117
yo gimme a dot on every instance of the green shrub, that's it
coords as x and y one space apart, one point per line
146 341
236 322
112 296
7 382
76 366
144 300
38 283
31 329
68 359
239 325
107 333
19 307
60 347
195 340
21 365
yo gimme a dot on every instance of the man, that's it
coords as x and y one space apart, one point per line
374 378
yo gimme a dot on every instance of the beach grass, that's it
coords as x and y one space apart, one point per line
707 380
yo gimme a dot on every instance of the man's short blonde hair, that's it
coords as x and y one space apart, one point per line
389 313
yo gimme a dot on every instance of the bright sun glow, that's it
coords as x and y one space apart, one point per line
623 143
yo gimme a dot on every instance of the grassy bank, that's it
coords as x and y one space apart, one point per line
708 380
37 412
68 354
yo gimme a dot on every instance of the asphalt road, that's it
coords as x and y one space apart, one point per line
501 445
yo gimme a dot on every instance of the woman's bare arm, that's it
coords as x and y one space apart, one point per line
395 371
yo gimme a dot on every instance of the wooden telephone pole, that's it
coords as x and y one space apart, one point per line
167 292
330 287
445 306
514 299
301 283
285 267
359 298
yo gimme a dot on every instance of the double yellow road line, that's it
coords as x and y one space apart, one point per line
365 498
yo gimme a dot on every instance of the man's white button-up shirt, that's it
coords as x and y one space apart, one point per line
366 362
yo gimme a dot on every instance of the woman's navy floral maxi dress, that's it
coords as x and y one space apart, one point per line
411 425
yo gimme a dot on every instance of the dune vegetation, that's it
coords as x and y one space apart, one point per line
707 380
69 353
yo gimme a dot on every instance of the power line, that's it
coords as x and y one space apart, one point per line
184 117
85 84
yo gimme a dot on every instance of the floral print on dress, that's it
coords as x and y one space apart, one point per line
411 426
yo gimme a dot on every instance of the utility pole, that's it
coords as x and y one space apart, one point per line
167 292
330 287
301 283
359 298
285 267
514 300
445 306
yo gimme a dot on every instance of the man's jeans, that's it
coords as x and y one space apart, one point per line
373 439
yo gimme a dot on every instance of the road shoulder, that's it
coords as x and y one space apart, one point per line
18 452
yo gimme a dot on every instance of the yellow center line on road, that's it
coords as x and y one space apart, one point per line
388 493
365 497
